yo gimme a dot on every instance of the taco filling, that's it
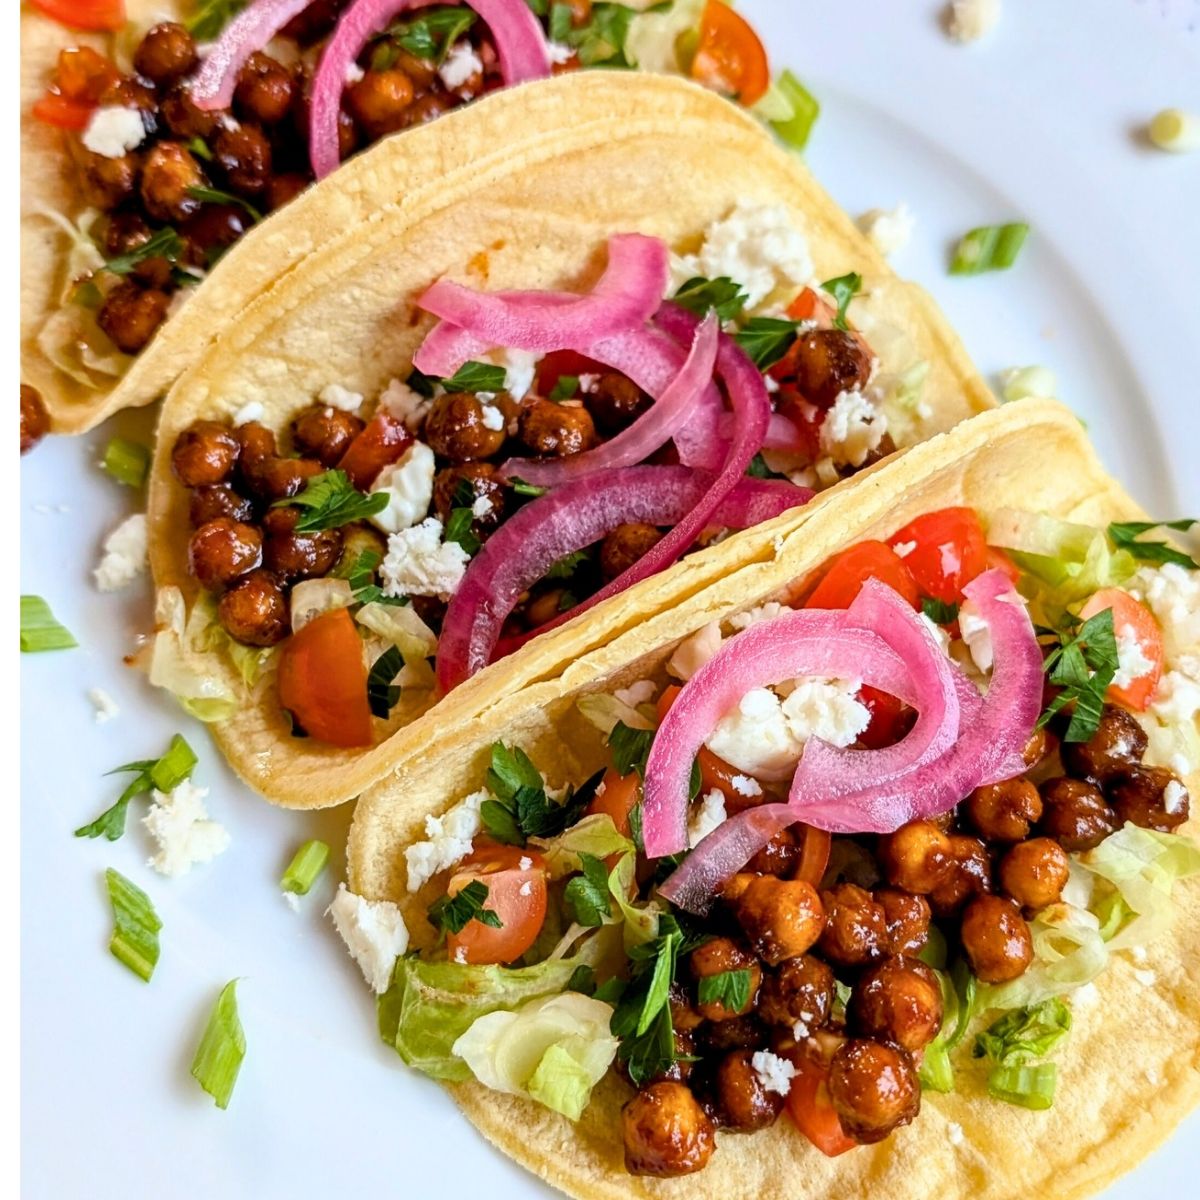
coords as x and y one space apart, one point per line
845 848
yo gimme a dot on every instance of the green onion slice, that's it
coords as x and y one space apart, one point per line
174 767
39 629
989 248
135 925
307 863
127 462
1026 1086
222 1048
806 108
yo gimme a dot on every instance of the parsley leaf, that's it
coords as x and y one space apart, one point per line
843 289
630 748
382 691
501 823
566 566
458 529
699 295
565 388
331 500
601 40
1125 534
939 612
587 894
421 383
163 243
642 1019
521 792
583 979
758 469
729 988
1083 665
212 195
695 781
360 574
476 377
165 774
431 35
766 339
452 914
211 16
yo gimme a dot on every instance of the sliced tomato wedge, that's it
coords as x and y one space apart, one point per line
887 721
1131 619
616 797
323 680
82 74
808 306
381 443
55 109
845 576
729 57
558 363
811 1109
516 884
84 14
948 550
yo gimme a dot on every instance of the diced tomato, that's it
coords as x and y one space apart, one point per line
845 576
516 894
808 306
997 560
616 797
730 58
807 418
55 109
323 680
814 854
948 551
558 363
886 718
811 1109
84 14
83 75
379 445
1131 619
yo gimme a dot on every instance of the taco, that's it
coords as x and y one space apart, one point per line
157 134
793 890
456 486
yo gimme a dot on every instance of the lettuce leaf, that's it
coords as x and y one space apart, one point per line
595 835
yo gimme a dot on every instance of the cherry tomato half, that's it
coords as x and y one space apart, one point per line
948 551
847 573
558 363
381 443
516 884
55 109
1131 619
84 14
616 797
730 58
887 718
810 1107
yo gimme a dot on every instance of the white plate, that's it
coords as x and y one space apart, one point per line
1035 124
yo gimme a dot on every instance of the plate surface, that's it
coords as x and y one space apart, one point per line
1037 123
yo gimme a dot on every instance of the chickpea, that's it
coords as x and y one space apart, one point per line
855 926
482 480
275 478
107 182
715 957
782 918
290 555
1075 814
554 429
899 1000
666 1132
35 420
735 887
615 402
907 920
215 227
244 155
256 444
125 231
1035 872
916 857
738 1033
131 315
325 433
284 188
743 1103
625 545
873 1088
222 549
799 992
1042 743
996 939
184 119
254 610
204 453
457 428
313 23
828 362
347 133
685 1053
265 90
1118 744
169 171
1005 811
428 108
1151 797
218 500
130 92
684 1017
166 53
970 875
380 101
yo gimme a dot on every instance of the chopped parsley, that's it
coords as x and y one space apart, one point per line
330 500
720 295
938 611
476 377
728 988
642 1019
211 16
565 389
521 808
601 40
421 383
163 243
587 894
360 574
462 517
452 914
212 195
843 289
1125 535
429 36
1082 662
164 774
566 566
630 748
382 691
766 339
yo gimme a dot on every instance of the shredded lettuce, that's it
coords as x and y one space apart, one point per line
605 711
664 41
312 598
399 626
641 920
181 662
595 835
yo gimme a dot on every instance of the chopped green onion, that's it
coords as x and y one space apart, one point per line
989 248
127 462
307 863
1026 1086
806 108
135 925
39 629
175 766
222 1048
1175 130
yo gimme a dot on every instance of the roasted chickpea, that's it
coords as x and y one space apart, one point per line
275 478
873 1088
625 545
548 428
1075 814
256 443
1151 797
828 362
799 992
325 433
215 227
1005 811
735 887
482 480
184 119
855 926
265 90
380 101
218 500
131 315
131 92
107 181
290 555
125 232
168 173
996 939
738 1033
779 856
781 917
429 107
1035 872
716 957
1042 743
916 857
907 920
35 420
970 875
222 549
1117 745
314 22
743 1103
166 53
244 154
284 188
684 1017
898 1000
615 401
459 427
666 1132
204 453
254 610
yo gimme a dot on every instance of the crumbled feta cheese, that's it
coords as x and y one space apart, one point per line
524 863
1132 663
970 20
977 633
757 737
408 485
692 653
526 889
105 705
354 74
520 368
757 246
419 563
449 839
745 786
1172 594
460 65
178 822
588 383
1175 797
340 397
1020 383
481 507
888 231
113 131
1085 996
852 429
252 411
774 1072
827 709
492 418
404 404
641 692
124 555
374 933
761 612
292 900
706 815
559 53
904 549
954 1133
1177 698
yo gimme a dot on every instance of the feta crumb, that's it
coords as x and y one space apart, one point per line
105 705
520 368
1132 663
1145 978
254 410
419 563
492 418
1172 593
761 612
641 692
852 429
1175 797
449 839
114 131
178 822
904 549
354 74
745 786
888 231
374 933
1177 698
693 652
292 900
481 507
774 1072
559 53
124 555
526 889
977 634
408 485
404 404
954 1133
800 1030
1085 996
588 383
756 737
970 20
706 816
460 65
524 862
340 397
1138 954
827 709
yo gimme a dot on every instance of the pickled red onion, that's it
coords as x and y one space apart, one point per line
520 46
